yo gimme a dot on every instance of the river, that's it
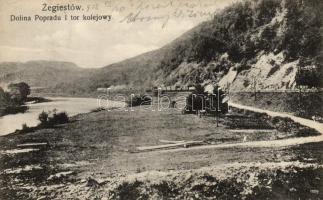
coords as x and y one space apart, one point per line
73 106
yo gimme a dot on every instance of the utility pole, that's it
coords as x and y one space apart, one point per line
108 92
218 109
255 88
228 88
299 88
158 98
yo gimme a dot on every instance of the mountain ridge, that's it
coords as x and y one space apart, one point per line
40 73
275 44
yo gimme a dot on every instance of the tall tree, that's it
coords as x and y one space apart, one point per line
19 91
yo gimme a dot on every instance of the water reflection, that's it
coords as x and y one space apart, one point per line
73 106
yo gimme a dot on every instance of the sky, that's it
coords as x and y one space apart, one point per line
136 26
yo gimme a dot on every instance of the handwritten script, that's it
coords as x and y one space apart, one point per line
132 11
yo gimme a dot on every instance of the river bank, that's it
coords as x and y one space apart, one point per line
14 109
73 106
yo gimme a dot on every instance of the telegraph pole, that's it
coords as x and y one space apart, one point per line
255 87
158 98
228 87
218 109
299 88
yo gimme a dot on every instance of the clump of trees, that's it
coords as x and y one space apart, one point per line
4 99
19 92
11 101
47 120
52 118
200 100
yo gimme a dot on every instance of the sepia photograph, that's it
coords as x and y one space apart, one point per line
161 99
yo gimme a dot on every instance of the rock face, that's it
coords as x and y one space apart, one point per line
270 72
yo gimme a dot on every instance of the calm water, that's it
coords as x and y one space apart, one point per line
72 106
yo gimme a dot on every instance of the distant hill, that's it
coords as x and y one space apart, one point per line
40 73
142 71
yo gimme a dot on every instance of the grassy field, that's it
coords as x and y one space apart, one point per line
95 156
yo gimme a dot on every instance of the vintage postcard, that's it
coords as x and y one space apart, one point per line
161 99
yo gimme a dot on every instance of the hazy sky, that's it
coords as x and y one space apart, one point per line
153 23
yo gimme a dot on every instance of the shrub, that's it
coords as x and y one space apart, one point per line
43 117
24 127
97 109
138 100
56 118
305 132
59 118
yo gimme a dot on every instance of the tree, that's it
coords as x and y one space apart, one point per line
5 100
43 117
19 91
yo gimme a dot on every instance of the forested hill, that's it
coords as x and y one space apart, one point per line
40 73
276 43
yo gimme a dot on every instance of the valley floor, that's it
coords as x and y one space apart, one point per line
96 156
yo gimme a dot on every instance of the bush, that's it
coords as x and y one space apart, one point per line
275 120
24 127
59 118
138 100
56 118
97 109
43 117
